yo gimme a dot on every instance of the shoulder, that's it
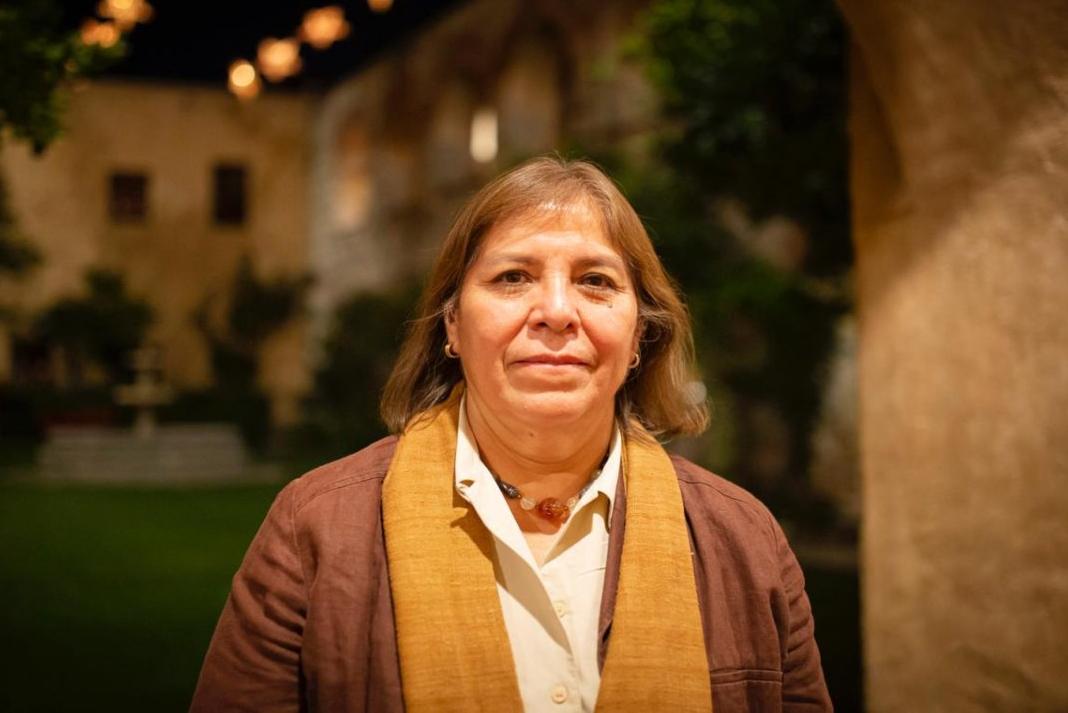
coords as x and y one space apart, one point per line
354 475
731 527
712 500
325 525
750 584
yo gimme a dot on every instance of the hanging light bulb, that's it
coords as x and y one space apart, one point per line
125 13
278 59
324 26
244 81
104 34
380 5
484 134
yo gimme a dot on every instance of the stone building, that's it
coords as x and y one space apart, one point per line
172 184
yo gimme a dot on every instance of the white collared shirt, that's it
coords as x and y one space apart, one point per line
551 612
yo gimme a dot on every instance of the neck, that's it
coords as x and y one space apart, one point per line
542 462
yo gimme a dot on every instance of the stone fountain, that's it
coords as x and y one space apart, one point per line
149 453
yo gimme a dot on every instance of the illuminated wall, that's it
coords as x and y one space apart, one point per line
179 249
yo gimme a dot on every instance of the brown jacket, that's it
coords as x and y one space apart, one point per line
308 625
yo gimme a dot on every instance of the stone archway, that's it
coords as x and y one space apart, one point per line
530 97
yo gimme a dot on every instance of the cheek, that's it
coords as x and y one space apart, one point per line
613 333
487 327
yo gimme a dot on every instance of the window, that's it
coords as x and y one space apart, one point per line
127 201
231 200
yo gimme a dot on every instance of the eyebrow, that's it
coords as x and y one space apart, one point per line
613 261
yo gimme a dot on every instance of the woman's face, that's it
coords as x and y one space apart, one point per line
546 321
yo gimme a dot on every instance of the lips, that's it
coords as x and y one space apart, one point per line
553 360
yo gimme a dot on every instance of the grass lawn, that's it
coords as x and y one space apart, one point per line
108 595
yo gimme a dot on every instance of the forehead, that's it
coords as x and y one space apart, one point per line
573 226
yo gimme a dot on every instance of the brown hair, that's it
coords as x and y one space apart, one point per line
657 392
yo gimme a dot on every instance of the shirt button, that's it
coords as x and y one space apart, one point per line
560 607
559 694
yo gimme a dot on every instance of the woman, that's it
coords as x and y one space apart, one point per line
525 544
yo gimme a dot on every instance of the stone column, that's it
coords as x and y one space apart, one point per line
959 130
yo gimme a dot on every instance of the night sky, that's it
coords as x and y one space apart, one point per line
192 41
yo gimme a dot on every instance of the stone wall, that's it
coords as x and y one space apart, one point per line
177 256
959 121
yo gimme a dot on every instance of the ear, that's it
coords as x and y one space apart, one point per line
639 330
452 331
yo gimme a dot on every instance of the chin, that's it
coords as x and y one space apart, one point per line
555 405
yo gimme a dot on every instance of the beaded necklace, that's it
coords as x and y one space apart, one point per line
551 509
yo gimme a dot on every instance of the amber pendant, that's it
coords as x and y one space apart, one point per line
553 510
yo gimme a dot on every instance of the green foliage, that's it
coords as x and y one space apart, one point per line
758 87
342 410
38 56
257 309
241 404
16 255
753 92
28 409
100 327
260 307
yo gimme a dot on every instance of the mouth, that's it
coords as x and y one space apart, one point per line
552 360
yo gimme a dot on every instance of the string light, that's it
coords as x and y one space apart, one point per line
104 34
324 26
125 13
278 59
244 81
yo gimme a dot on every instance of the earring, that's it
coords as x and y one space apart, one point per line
635 361
450 351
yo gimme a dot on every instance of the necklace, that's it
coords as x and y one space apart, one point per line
551 509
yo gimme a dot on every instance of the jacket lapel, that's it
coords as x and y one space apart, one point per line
611 569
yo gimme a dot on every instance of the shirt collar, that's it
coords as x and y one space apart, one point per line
471 472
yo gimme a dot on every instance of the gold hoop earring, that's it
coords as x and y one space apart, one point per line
450 351
635 361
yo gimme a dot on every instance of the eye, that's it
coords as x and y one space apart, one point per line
511 277
598 281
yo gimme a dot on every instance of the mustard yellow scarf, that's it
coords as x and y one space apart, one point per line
453 645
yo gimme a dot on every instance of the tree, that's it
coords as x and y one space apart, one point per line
38 56
255 310
754 97
98 329
341 411
17 256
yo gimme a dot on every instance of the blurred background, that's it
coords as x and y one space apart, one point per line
215 219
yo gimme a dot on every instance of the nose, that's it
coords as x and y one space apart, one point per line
556 308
